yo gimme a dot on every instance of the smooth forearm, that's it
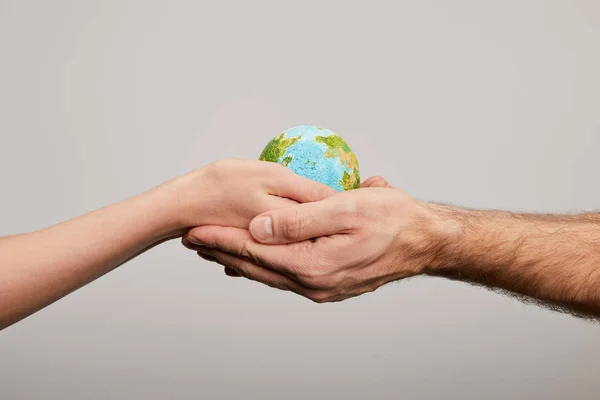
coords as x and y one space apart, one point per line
38 268
555 259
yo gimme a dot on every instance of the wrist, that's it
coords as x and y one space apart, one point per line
188 199
427 236
169 204
446 230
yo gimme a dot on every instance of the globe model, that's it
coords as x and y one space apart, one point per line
315 153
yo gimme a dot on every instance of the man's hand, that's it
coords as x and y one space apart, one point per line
231 192
345 245
353 242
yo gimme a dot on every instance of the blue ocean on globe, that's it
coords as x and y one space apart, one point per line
315 153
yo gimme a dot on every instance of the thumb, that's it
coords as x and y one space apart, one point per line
375 181
286 183
302 222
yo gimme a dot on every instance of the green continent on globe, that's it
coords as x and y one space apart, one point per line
337 147
276 148
315 153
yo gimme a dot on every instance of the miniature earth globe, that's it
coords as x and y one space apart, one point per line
315 153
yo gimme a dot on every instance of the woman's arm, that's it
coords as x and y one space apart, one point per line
40 267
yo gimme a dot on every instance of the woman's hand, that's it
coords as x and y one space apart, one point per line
231 192
228 192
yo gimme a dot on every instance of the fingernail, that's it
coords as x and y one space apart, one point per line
262 228
195 241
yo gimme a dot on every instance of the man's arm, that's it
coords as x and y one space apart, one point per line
39 268
552 258
371 236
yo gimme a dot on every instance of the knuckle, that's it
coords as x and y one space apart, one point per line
220 168
355 212
275 171
246 273
349 208
212 171
292 226
253 256
318 297
317 192
328 282
240 267
219 164
308 281
314 193
245 251
313 270
319 281
209 239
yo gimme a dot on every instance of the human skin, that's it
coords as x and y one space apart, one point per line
40 267
354 242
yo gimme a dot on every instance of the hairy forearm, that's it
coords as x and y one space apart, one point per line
551 258
40 267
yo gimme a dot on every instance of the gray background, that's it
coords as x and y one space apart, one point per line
479 103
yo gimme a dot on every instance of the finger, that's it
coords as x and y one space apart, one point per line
375 181
185 241
234 241
207 257
288 259
369 181
231 272
303 221
228 271
255 273
287 183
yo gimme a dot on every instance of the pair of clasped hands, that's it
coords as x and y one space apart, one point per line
263 222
